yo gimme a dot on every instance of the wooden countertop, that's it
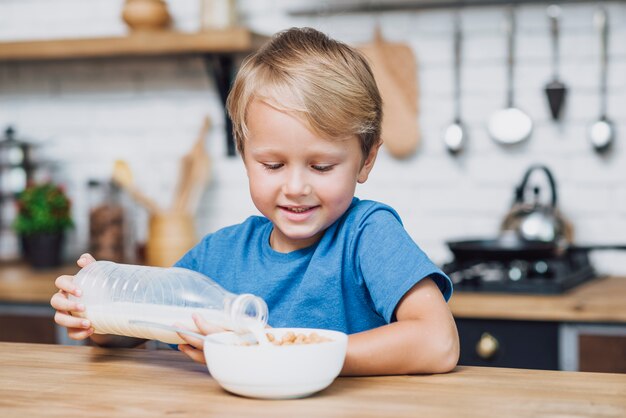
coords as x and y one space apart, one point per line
600 300
71 381
21 284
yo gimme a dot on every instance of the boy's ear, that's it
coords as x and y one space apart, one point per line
368 164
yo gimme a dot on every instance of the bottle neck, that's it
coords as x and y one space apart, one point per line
246 312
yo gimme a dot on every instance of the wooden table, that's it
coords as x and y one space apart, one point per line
52 380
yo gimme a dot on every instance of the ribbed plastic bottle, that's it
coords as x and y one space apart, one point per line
116 295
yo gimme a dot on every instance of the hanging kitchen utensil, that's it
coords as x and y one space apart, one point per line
123 177
194 174
510 125
455 135
395 70
555 90
602 131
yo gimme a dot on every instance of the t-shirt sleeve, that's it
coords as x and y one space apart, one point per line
390 263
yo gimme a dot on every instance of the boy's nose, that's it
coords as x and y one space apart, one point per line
296 184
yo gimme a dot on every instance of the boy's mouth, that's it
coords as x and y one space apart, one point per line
298 213
297 209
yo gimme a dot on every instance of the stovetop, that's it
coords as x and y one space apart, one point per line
547 276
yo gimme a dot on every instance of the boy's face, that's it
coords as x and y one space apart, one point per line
299 181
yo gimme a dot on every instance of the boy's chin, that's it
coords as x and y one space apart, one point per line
299 239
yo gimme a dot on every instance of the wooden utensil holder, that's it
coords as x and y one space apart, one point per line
170 236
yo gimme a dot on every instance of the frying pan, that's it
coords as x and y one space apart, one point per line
507 249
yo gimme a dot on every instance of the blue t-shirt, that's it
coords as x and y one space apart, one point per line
350 281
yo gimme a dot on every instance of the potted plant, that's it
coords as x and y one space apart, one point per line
43 216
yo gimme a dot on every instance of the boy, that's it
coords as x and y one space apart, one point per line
307 114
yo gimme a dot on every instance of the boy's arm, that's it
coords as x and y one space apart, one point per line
423 340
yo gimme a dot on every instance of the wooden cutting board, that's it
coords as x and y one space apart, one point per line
395 68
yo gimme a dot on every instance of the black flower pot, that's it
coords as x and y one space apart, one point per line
43 250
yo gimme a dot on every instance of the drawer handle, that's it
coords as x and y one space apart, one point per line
487 346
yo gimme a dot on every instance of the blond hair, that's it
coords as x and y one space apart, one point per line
324 82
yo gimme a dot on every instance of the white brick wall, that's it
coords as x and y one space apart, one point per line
147 111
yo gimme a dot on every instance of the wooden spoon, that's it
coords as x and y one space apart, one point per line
195 173
123 177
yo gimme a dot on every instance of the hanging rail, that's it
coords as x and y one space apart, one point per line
393 6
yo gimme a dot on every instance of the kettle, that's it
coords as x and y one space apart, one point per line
536 220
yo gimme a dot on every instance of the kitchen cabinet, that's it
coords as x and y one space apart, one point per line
218 48
543 345
593 347
602 353
25 311
583 329
520 344
28 326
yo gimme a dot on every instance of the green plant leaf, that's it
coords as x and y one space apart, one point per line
42 208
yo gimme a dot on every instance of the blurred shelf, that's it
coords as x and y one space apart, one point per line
225 41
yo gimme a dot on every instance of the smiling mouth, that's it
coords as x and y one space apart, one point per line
297 209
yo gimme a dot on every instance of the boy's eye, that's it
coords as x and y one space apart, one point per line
322 168
274 166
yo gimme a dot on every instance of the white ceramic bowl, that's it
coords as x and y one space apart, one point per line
275 372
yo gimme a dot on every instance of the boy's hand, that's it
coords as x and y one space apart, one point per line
195 346
77 328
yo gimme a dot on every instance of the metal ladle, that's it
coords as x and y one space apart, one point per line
602 131
510 125
455 135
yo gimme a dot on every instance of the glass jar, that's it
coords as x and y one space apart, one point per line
110 232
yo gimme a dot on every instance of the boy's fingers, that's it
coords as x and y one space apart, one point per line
204 326
193 353
66 283
79 334
192 341
85 259
63 319
60 302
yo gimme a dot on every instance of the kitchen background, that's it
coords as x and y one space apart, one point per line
88 113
